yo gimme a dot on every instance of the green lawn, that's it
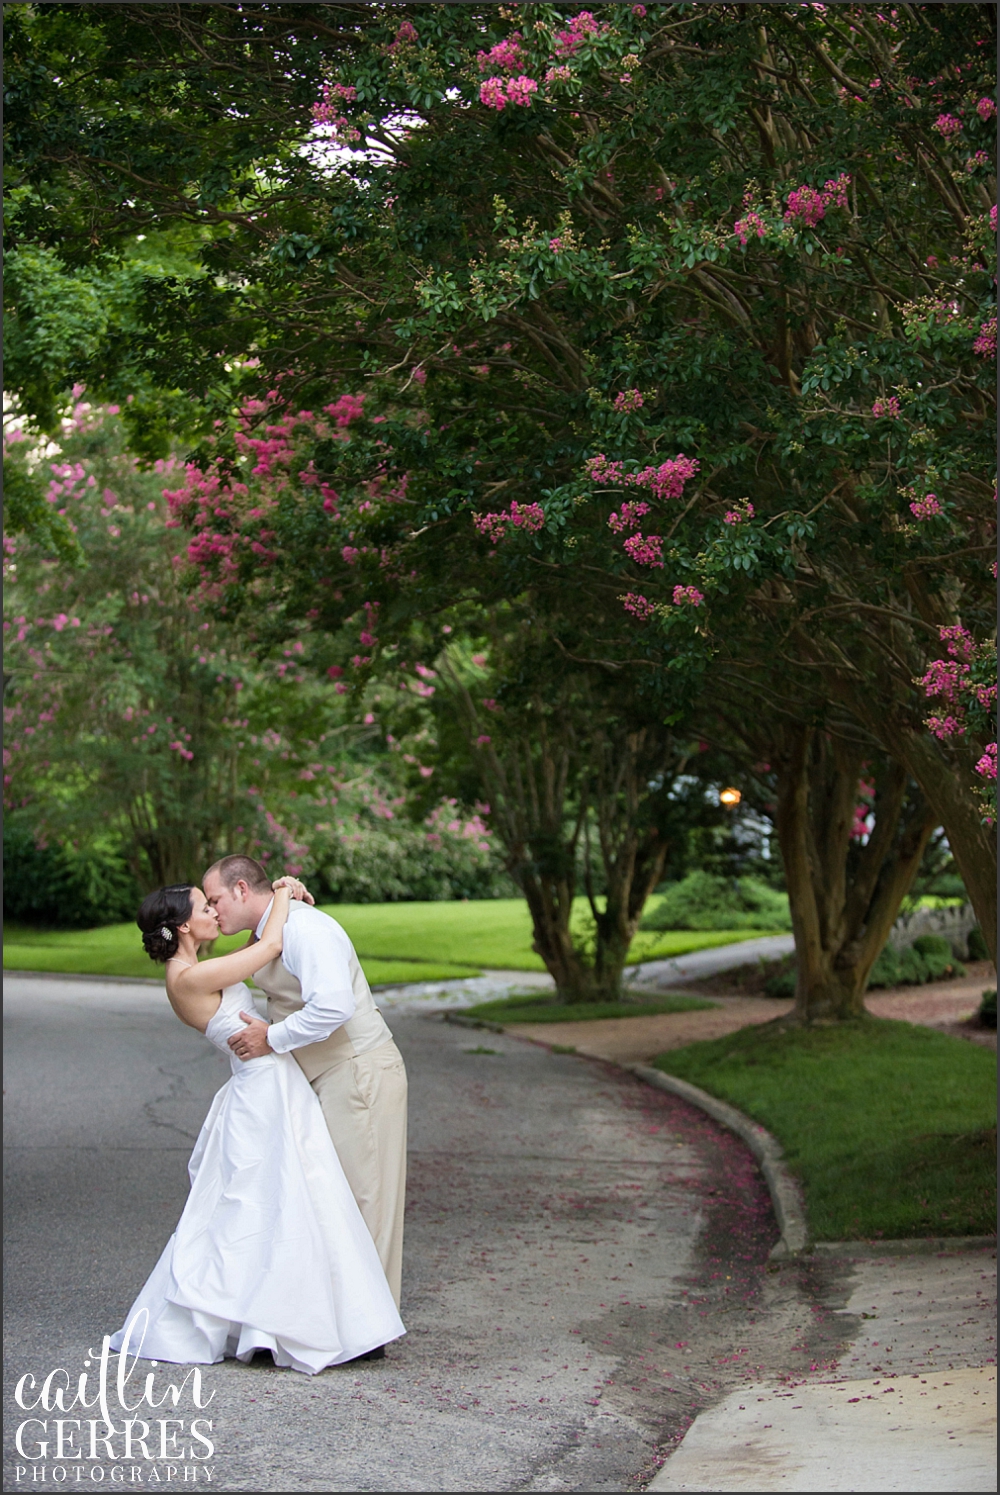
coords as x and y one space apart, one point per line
530 1009
891 1127
397 942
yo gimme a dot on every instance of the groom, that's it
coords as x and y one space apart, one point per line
321 1009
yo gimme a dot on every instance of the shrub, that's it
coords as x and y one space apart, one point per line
704 901
782 983
929 959
64 886
977 946
988 1008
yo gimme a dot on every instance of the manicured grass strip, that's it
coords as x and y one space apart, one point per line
450 939
495 932
116 950
525 1010
891 1127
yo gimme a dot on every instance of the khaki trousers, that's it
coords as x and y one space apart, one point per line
364 1106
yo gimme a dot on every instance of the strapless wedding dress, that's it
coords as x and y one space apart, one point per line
271 1251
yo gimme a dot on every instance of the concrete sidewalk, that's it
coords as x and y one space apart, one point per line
915 1409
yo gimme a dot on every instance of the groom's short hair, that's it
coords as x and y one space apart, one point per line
234 869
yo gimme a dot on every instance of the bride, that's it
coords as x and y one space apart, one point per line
270 1252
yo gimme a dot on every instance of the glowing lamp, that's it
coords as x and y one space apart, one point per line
729 797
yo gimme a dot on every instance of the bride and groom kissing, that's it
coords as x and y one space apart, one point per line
291 1237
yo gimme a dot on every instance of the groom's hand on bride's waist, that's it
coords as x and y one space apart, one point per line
252 1042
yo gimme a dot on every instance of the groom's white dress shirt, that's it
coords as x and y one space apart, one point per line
318 953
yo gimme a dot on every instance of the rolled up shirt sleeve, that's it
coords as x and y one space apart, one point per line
319 955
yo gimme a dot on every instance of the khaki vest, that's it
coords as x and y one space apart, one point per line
366 1030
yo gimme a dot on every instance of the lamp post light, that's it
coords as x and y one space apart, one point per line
730 798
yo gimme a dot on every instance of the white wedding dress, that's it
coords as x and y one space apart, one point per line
271 1251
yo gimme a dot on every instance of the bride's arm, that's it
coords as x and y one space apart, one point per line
224 970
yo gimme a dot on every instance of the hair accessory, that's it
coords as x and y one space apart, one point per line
167 934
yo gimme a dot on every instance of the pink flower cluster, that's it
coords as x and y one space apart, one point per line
629 516
741 515
505 57
986 109
645 550
580 27
986 768
665 481
528 517
627 400
807 206
986 342
887 408
638 605
326 112
750 223
406 34
947 125
927 507
688 596
495 94
973 163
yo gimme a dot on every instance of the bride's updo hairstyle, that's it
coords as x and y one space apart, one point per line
159 916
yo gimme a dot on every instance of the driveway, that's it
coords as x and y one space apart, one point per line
586 1261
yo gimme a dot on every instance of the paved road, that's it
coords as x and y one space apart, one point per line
586 1262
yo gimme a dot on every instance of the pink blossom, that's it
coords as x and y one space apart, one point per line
530 517
491 93
925 508
993 217
350 554
603 471
958 641
974 162
346 409
505 56
556 245
739 516
420 376
629 517
986 109
945 726
986 342
639 10
627 400
483 739
667 480
689 595
886 408
947 125
580 27
645 550
986 768
334 671
520 90
638 605
805 205
560 74
751 222
425 772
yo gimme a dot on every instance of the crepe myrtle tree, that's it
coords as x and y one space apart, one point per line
580 771
851 824
688 306
129 709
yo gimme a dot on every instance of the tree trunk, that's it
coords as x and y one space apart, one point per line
844 898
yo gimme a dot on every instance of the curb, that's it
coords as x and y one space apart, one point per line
930 1245
461 1021
786 1195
